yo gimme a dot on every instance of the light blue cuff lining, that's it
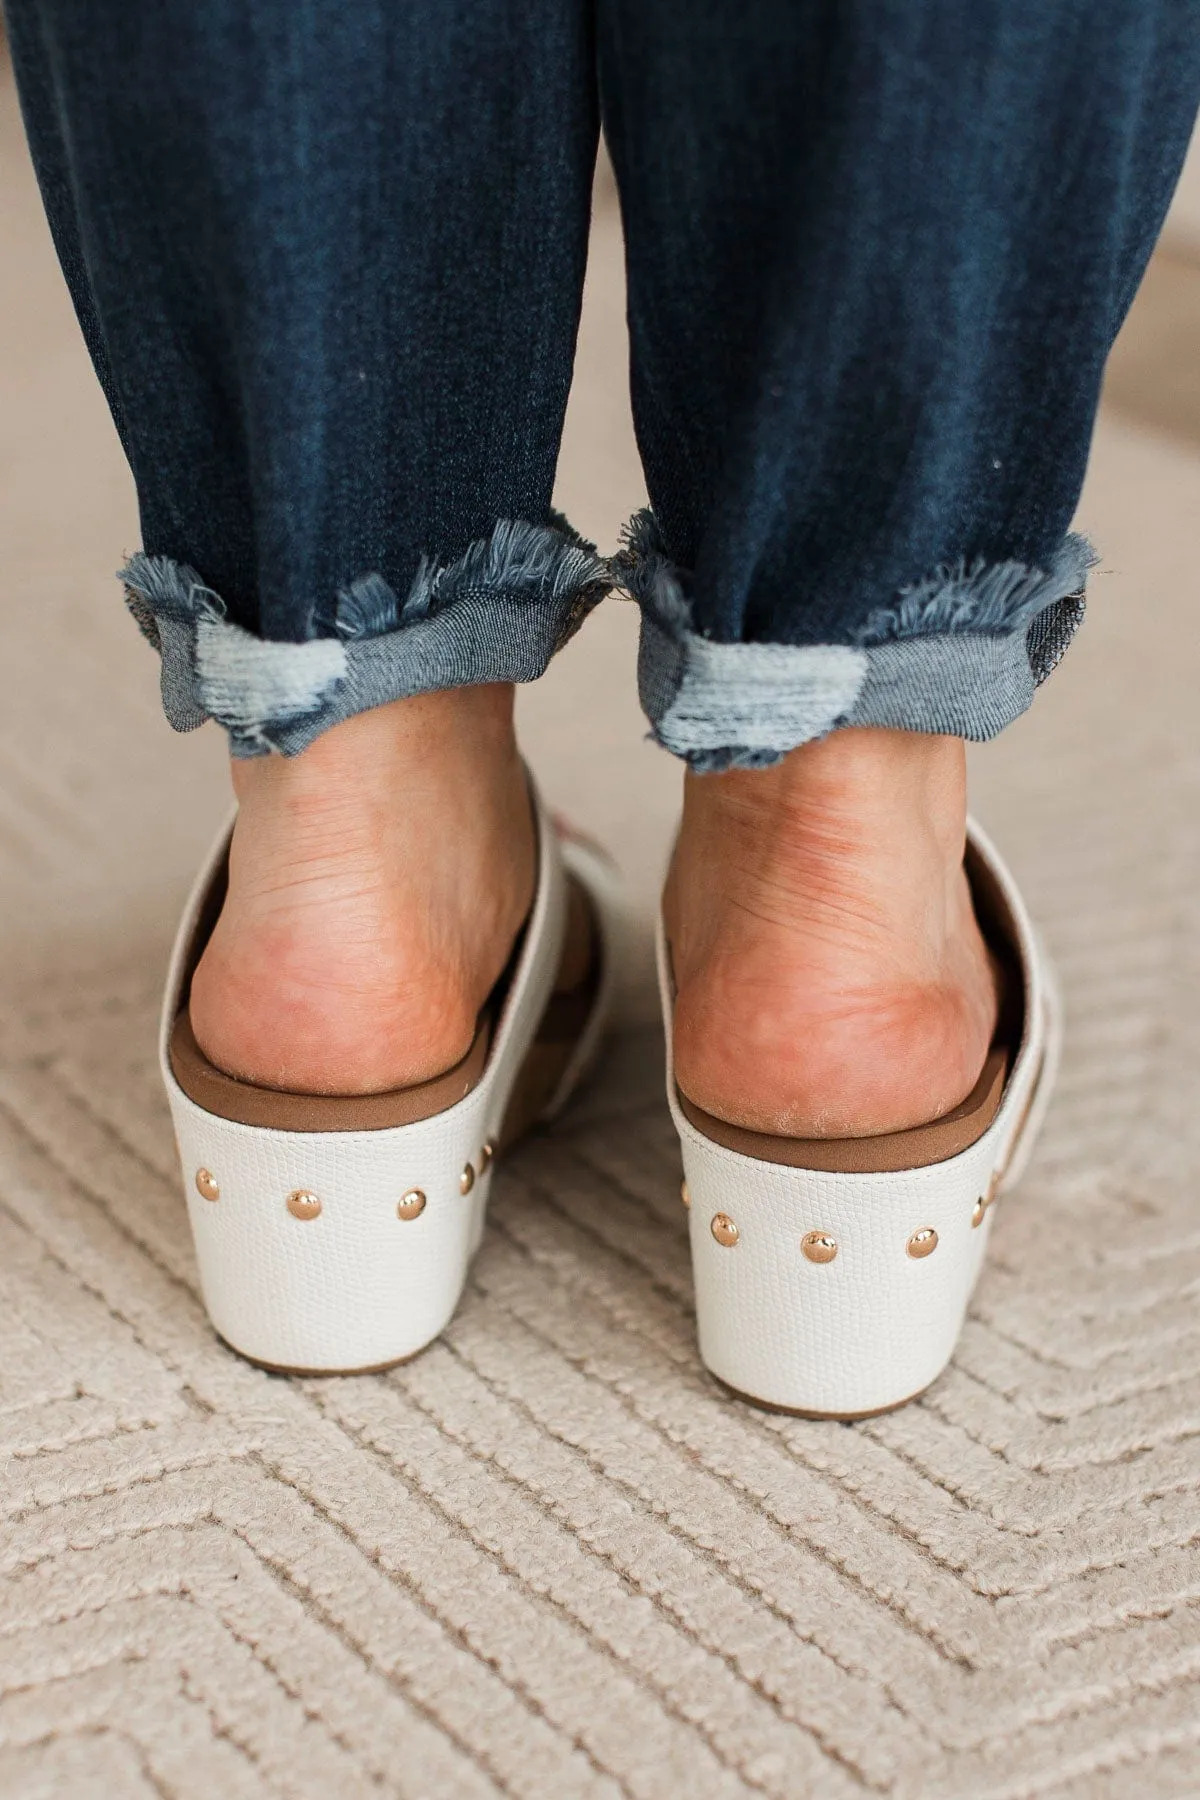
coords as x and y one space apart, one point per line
961 653
497 613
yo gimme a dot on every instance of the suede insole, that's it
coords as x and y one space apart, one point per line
921 1145
562 1023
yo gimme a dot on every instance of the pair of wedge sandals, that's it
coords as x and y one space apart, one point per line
334 1235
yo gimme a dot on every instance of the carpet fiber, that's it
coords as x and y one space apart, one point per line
550 1558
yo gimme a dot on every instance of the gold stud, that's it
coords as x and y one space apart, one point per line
818 1246
411 1205
724 1230
206 1185
685 1193
984 1202
923 1242
486 1157
466 1180
303 1205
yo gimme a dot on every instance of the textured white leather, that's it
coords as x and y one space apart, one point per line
358 1286
876 1325
601 878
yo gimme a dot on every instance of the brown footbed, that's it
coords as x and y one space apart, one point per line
887 1153
277 1109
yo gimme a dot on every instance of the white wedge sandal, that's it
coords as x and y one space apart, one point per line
334 1235
832 1275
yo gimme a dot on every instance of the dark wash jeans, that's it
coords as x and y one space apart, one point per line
328 261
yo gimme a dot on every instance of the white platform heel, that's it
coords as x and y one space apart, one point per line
334 1235
839 1290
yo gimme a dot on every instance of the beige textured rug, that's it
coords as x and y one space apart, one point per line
549 1558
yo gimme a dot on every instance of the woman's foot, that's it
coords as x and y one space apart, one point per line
832 980
376 884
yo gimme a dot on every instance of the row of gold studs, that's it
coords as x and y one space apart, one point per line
303 1204
819 1247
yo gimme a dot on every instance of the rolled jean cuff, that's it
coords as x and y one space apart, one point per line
961 652
497 613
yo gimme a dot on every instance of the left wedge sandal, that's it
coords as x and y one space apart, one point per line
832 1275
333 1235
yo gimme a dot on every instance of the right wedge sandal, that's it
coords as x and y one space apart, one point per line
832 1275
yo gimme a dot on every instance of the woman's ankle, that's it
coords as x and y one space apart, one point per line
376 884
831 976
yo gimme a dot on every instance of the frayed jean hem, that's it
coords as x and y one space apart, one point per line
961 653
497 613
